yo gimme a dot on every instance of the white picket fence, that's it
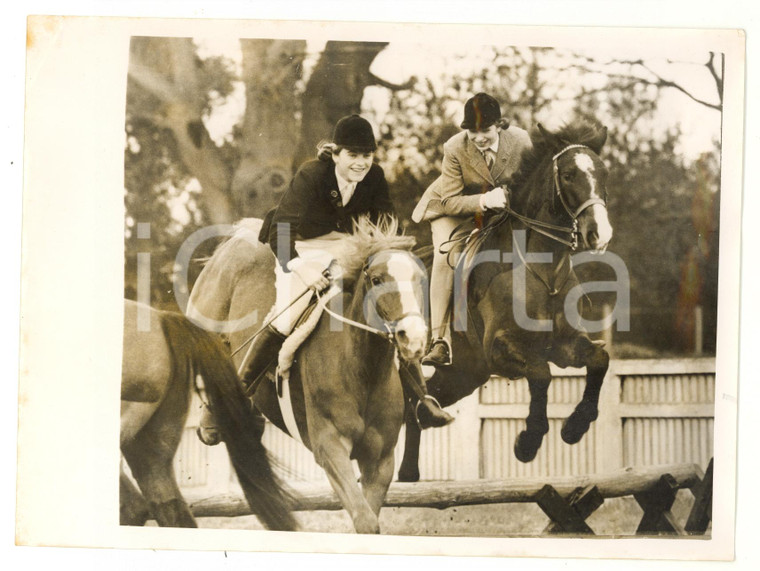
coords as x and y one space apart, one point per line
651 412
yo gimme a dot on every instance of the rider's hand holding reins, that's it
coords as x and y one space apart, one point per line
494 199
312 274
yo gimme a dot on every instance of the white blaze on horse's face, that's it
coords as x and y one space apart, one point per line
593 223
405 304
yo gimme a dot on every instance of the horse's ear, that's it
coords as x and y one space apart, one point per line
550 138
598 141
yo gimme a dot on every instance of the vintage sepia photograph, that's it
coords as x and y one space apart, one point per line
454 287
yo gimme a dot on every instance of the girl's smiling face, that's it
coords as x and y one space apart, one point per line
483 138
351 165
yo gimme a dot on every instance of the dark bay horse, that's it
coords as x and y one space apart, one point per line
515 321
163 353
344 389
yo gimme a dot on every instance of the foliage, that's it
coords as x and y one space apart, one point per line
663 206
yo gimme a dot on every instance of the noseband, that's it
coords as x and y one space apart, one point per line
558 191
389 334
549 230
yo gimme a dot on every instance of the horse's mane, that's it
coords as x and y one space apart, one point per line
579 132
369 238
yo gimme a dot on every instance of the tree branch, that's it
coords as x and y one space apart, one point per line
375 80
718 78
153 82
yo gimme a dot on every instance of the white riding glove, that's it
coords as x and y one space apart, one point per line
494 199
310 272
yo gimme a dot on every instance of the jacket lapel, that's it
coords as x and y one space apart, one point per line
502 156
477 161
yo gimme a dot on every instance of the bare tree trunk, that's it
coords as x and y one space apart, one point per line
335 89
271 69
167 70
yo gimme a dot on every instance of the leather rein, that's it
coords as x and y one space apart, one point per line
544 228
389 332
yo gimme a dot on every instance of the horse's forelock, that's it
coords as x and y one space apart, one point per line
580 132
368 239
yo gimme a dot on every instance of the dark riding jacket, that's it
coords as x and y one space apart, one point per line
313 206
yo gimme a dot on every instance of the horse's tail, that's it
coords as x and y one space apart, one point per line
240 428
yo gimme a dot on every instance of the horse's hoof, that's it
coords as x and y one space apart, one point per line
573 432
209 436
367 524
527 444
577 425
408 475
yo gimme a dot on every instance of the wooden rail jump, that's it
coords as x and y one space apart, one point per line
567 501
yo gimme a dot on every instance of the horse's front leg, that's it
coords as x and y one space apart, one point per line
409 470
332 451
377 473
536 424
596 360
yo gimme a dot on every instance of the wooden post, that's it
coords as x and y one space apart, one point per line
607 332
701 512
698 330
584 501
609 426
656 504
467 430
566 518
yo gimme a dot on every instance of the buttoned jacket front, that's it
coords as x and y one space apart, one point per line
312 205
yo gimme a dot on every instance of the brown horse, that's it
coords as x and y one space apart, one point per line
517 276
345 396
163 353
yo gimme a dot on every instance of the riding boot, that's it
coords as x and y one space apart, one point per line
428 411
430 414
265 349
439 354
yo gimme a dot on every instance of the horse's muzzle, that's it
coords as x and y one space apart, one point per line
595 229
411 337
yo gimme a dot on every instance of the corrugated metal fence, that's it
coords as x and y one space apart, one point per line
651 412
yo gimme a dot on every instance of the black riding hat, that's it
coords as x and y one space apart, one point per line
355 133
480 112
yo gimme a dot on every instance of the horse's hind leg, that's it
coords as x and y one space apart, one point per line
133 509
536 425
154 474
596 360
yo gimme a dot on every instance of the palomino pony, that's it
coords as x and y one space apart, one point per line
345 396
163 353
559 202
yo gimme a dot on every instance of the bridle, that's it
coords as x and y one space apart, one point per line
551 230
390 326
558 189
